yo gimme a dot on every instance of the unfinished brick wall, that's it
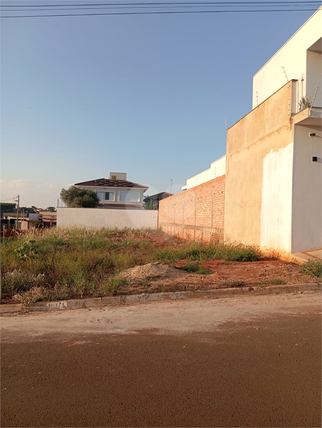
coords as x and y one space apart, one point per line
197 213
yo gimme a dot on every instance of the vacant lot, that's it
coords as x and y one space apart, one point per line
70 263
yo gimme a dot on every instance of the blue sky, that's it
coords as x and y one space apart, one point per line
146 95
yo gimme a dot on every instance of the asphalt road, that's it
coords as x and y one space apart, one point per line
228 363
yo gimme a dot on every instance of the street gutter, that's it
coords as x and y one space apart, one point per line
7 309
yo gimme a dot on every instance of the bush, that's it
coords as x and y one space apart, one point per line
79 198
312 267
21 281
27 250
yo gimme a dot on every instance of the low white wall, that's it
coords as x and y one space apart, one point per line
217 169
109 218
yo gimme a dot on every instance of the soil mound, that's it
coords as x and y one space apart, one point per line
151 271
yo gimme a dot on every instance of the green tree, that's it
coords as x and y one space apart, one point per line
6 207
79 198
148 203
51 209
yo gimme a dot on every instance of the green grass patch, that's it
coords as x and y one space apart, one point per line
195 268
312 267
198 251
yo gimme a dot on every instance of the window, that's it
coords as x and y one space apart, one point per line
106 196
128 196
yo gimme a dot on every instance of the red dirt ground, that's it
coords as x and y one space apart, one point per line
223 274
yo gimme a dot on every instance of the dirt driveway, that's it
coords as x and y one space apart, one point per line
245 361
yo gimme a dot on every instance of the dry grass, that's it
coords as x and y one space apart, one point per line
63 263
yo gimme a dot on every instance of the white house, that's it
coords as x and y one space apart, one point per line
116 191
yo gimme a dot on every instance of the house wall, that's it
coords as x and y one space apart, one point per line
100 217
119 193
258 193
293 57
307 190
217 169
197 213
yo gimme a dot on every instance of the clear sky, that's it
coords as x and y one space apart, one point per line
147 95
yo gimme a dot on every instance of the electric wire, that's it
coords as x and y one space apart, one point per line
153 8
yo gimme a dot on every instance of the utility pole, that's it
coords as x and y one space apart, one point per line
171 185
17 225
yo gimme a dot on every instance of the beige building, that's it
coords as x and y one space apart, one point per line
274 155
273 176
272 170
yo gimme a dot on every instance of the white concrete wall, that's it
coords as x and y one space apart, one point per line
276 207
293 57
307 190
314 76
33 216
109 218
217 169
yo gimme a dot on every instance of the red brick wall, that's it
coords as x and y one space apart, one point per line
197 213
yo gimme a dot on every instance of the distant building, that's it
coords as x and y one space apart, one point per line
156 199
116 191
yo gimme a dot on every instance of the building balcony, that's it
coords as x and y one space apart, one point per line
311 116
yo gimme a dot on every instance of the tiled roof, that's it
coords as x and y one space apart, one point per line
161 195
107 182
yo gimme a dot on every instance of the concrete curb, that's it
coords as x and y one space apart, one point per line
157 297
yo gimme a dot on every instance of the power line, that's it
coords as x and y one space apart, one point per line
168 3
189 3
158 13
153 8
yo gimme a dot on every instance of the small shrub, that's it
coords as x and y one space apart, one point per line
145 283
203 271
270 281
312 267
192 267
231 283
60 292
27 250
17 281
113 284
276 281
305 102
35 294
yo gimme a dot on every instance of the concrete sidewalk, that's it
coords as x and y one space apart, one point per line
315 254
